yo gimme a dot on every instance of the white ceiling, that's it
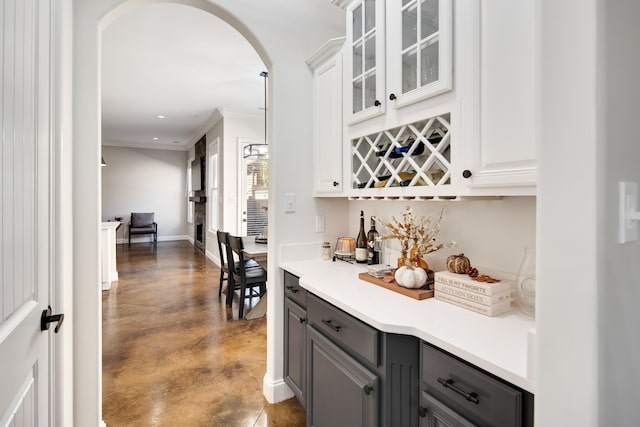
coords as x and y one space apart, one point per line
177 61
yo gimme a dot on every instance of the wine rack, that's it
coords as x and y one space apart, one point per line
416 154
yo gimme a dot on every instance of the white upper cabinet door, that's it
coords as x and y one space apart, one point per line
365 62
419 49
326 64
504 156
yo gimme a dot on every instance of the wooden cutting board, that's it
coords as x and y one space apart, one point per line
418 294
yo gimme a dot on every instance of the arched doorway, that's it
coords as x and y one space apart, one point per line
283 35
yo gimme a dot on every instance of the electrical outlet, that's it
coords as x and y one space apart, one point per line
319 223
289 203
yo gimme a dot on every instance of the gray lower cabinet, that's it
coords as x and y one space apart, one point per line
356 374
456 393
295 337
342 392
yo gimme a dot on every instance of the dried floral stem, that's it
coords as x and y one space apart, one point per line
421 231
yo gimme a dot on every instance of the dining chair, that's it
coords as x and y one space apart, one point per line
224 266
246 278
231 259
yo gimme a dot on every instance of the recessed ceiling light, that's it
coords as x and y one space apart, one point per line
160 116
176 142
194 115
155 138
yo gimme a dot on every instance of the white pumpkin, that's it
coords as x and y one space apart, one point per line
411 277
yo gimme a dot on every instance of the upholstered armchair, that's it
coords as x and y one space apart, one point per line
143 223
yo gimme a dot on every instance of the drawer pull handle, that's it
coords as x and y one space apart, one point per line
471 397
422 411
330 324
367 389
292 289
302 320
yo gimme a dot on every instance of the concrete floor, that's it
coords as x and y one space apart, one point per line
173 353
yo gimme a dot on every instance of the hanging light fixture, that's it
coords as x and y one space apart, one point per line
259 151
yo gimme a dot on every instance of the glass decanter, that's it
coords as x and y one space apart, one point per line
526 282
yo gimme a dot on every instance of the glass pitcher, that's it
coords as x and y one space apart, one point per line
526 282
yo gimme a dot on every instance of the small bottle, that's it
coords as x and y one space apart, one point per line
326 251
373 256
361 242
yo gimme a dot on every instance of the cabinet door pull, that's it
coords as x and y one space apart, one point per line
377 103
335 183
471 397
392 97
292 289
302 320
367 389
422 411
330 324
466 173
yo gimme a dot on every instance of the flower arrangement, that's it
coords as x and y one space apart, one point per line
420 232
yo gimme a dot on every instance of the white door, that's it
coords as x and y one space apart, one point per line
254 192
25 212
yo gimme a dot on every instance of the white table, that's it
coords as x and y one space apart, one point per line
257 252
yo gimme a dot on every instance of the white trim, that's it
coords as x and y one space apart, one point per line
213 257
324 52
149 239
276 391
214 118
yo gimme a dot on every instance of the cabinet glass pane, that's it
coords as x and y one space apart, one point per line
357 23
429 63
429 17
406 2
409 26
369 15
370 53
370 90
357 60
409 71
357 95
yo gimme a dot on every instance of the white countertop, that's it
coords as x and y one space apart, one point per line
496 344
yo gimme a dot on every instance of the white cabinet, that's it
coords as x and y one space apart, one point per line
488 103
328 136
500 158
398 53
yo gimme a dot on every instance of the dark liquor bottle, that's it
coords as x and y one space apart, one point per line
373 256
361 242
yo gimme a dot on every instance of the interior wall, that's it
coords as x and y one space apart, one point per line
619 291
492 233
569 177
142 180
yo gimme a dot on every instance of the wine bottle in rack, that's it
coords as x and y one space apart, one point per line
361 242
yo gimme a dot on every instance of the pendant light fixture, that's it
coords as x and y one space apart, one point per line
259 151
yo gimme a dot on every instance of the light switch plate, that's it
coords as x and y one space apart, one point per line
627 207
319 223
289 203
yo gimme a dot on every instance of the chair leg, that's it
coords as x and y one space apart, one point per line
231 284
222 279
243 290
129 239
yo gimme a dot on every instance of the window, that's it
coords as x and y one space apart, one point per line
213 185
189 187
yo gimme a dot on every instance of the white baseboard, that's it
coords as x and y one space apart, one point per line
149 239
213 257
276 391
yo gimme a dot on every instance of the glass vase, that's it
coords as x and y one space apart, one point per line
526 282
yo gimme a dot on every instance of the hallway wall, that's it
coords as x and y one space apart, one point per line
139 180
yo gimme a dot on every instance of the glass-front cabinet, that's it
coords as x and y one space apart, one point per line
397 67
420 55
365 64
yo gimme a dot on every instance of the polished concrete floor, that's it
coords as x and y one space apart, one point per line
174 354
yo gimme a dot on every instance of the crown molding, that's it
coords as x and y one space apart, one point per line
324 52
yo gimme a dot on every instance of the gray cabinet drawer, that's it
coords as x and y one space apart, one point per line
473 394
353 335
293 290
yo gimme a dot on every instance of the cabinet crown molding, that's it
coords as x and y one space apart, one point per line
324 52
341 3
